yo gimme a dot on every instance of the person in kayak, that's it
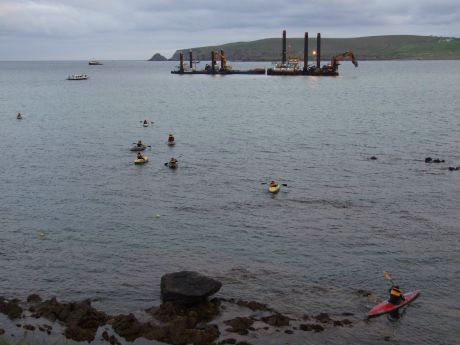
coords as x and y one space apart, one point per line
173 161
273 184
139 143
396 295
171 138
19 116
139 155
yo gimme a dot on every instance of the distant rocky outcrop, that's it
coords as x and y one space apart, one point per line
157 57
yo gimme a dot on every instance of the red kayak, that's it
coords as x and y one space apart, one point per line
387 307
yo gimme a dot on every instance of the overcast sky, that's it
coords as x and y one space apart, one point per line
135 29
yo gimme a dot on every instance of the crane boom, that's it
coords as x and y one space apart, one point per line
340 57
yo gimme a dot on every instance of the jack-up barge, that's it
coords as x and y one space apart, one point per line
213 68
291 66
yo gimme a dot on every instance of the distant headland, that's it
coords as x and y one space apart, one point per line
395 47
157 57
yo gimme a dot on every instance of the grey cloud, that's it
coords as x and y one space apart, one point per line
164 24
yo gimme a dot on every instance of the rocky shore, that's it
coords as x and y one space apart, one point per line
204 322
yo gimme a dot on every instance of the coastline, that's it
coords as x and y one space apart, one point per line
217 321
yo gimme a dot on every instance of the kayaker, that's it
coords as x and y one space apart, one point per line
170 138
396 295
139 143
145 122
172 161
19 116
139 155
273 184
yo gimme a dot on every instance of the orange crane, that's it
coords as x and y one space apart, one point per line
340 57
224 66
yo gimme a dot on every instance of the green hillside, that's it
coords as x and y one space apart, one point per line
365 48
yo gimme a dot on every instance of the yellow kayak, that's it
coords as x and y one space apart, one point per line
274 189
141 160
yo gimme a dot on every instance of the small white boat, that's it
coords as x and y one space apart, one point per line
77 77
94 63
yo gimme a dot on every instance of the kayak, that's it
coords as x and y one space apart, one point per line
138 148
387 307
274 189
145 124
172 166
171 143
141 160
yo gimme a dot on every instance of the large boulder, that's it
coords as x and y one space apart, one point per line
187 287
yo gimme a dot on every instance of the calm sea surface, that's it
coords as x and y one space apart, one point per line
112 229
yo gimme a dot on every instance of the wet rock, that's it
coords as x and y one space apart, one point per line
105 336
113 340
206 336
386 338
10 308
288 331
29 327
338 323
187 287
253 305
347 314
363 293
276 320
323 318
2 331
48 328
373 158
79 334
305 317
80 318
127 326
454 168
308 327
202 312
436 160
229 341
34 298
239 325
243 343
180 334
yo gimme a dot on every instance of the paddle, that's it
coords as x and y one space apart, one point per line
148 121
283 184
143 145
387 276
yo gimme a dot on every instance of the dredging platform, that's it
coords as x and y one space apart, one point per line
213 68
289 66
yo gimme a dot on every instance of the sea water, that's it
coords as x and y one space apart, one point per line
79 220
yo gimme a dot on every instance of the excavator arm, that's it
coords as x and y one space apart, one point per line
224 66
340 57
